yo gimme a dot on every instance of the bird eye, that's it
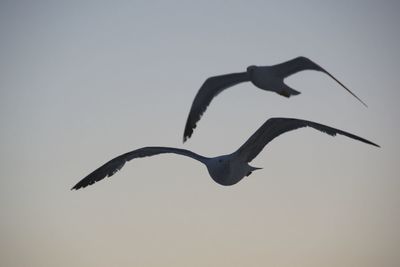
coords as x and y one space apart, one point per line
220 160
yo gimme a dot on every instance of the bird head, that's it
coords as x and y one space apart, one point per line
250 69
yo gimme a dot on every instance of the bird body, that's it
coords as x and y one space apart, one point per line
268 78
226 169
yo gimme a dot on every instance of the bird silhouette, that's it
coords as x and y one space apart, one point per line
226 169
269 78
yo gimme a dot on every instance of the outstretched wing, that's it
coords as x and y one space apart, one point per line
210 89
297 64
114 165
276 126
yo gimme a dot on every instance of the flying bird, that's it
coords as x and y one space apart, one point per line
226 169
269 78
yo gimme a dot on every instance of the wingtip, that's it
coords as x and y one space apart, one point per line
186 137
187 134
345 87
359 99
371 143
75 187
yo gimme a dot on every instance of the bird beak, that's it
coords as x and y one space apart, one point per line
252 169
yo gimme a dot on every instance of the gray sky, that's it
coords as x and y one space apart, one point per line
84 81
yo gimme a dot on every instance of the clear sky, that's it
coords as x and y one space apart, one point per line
84 81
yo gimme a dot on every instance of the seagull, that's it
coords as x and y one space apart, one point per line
226 169
269 78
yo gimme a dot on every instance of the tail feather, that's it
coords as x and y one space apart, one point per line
288 92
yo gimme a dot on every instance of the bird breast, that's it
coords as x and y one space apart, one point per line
227 173
264 78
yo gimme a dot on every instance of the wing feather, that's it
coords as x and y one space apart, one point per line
297 64
210 89
274 127
114 165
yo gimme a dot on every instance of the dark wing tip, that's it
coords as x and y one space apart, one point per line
76 187
365 141
189 127
365 105
187 133
372 143
79 185
185 138
341 84
83 183
107 170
